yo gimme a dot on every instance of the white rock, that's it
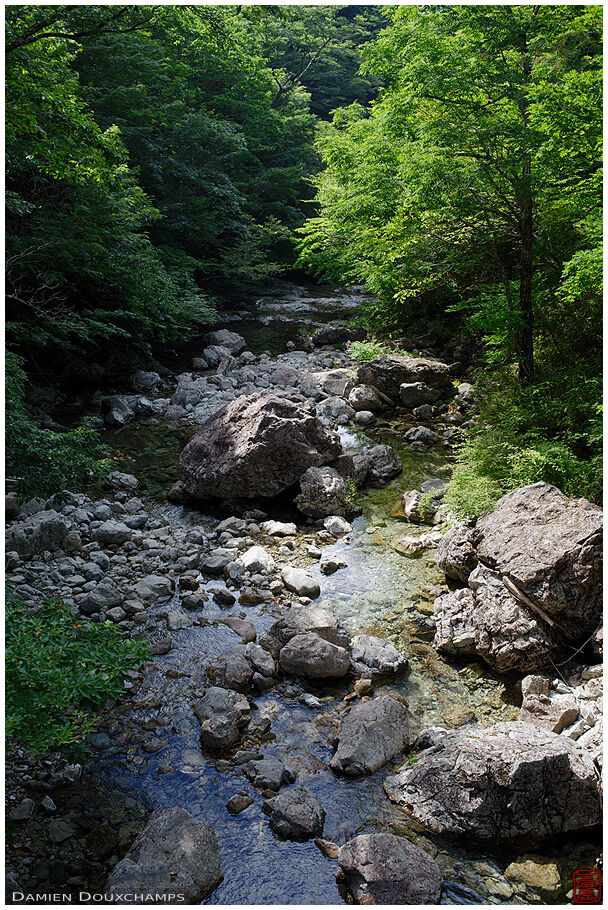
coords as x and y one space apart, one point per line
337 526
257 559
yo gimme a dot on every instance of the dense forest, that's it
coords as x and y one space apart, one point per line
162 159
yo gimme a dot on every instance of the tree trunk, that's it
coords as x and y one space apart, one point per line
525 344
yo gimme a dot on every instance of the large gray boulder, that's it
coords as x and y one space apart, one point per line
486 620
44 530
509 784
296 814
256 446
175 854
366 398
371 734
550 547
313 657
324 492
388 374
386 869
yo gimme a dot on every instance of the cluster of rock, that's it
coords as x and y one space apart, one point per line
533 572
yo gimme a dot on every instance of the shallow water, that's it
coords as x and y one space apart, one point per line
380 593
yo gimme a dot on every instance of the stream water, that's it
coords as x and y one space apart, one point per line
380 592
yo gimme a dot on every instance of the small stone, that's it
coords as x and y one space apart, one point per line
327 847
60 830
23 811
238 803
363 687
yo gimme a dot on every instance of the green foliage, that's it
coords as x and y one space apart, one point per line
44 461
370 350
60 671
524 436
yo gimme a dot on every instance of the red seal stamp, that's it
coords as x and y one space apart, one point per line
587 886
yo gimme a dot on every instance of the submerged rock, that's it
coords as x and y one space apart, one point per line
256 446
296 814
511 783
386 869
174 854
371 733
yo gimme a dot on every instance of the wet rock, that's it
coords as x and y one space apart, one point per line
232 670
364 418
373 657
118 410
327 847
177 619
215 562
60 830
389 373
223 597
153 587
268 773
414 394
45 530
365 398
420 437
101 841
386 869
218 733
331 564
300 582
511 783
372 733
258 445
324 492
313 657
383 463
260 660
221 702
296 814
238 803
550 547
456 553
243 628
488 621
174 854
297 620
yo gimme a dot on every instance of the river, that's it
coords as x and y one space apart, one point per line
381 592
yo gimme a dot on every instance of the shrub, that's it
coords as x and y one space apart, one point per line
60 671
42 460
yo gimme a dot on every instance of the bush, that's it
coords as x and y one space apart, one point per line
44 461
60 670
550 431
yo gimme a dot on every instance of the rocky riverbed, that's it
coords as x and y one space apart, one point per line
311 664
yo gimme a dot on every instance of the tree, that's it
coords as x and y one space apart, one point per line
468 175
